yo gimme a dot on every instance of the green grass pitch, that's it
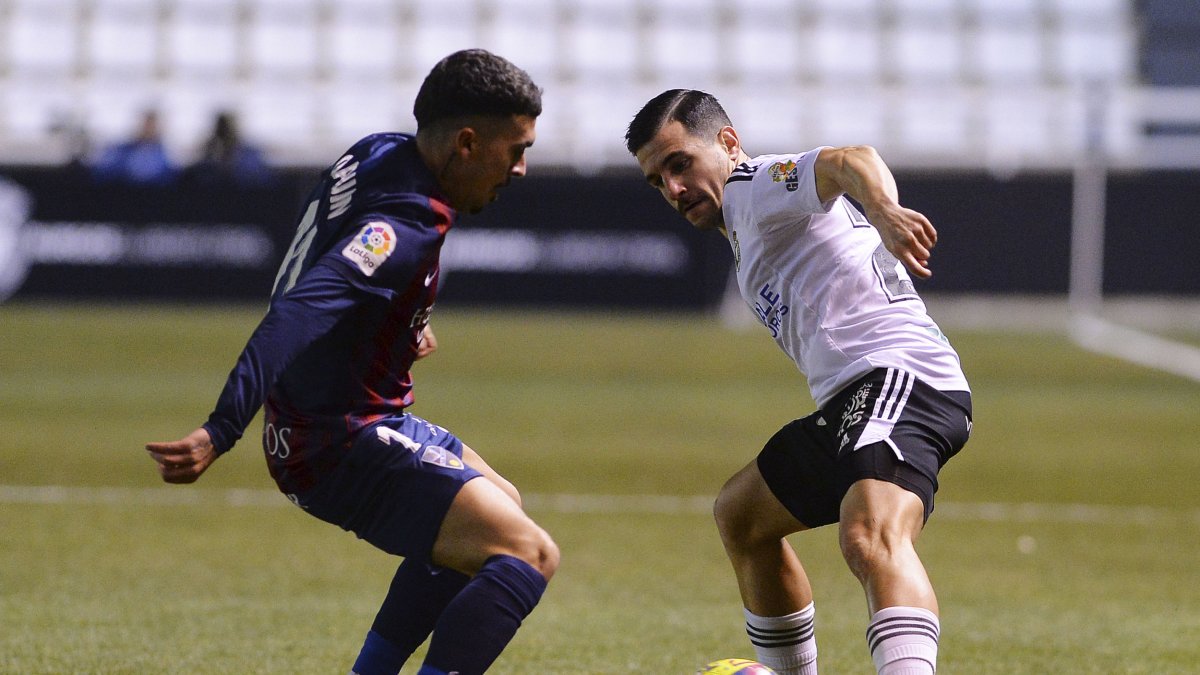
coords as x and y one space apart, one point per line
1066 540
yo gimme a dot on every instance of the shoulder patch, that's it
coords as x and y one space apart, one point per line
786 173
371 247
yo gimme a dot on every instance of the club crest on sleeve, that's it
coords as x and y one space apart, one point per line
371 247
439 456
786 173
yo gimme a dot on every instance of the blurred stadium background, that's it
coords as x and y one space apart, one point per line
958 83
991 112
1054 143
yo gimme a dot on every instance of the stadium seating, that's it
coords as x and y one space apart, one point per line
957 82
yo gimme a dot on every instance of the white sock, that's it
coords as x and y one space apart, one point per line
785 644
903 641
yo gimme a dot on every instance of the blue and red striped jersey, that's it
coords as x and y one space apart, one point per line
347 314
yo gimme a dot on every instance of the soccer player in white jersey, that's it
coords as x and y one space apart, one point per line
833 288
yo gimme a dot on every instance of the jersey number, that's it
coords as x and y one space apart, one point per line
387 435
897 285
293 262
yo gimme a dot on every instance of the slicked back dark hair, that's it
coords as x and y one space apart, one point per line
475 82
699 112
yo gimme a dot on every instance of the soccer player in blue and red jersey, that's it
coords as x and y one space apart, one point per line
329 364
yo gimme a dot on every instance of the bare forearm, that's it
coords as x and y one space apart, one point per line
859 172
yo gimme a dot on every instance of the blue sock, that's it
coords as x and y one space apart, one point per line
378 656
414 602
479 623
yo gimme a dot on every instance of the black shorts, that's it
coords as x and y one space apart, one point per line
887 425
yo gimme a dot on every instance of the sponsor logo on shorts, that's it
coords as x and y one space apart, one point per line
371 247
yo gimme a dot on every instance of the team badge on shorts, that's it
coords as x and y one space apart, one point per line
371 247
853 414
439 456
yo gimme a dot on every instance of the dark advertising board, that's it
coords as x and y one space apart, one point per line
561 239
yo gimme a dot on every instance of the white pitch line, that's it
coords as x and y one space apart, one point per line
595 504
1135 346
123 496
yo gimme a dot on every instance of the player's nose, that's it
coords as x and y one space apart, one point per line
518 169
674 189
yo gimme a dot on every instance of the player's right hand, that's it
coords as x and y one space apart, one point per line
428 343
184 460
909 236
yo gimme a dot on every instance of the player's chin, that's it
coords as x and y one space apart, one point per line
703 221
476 208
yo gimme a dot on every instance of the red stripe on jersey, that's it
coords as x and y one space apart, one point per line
444 215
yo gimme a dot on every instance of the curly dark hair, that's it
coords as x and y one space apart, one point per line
699 112
475 82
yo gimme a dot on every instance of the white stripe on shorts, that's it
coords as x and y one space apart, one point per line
897 385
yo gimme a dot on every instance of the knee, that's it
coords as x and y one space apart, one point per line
539 550
859 548
734 518
866 547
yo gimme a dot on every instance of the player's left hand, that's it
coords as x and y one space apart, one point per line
908 235
184 460
428 343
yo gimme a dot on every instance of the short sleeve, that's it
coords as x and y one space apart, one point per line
382 253
785 189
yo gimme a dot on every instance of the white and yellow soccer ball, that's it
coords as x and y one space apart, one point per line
732 666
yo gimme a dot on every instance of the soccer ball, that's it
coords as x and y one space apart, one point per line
731 666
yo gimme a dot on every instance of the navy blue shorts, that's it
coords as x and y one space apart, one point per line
887 425
395 485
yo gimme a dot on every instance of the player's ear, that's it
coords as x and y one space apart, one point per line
466 140
728 139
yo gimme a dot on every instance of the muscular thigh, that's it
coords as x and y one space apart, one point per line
476 462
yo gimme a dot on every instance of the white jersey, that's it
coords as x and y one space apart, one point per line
819 278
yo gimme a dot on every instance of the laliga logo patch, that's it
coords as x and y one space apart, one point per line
378 238
439 456
785 172
371 247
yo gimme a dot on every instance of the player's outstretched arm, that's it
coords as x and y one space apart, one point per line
860 172
184 460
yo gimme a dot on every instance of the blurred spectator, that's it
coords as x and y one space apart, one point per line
141 160
226 158
72 133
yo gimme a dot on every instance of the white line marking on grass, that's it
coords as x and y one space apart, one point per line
1136 346
130 496
993 512
620 504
